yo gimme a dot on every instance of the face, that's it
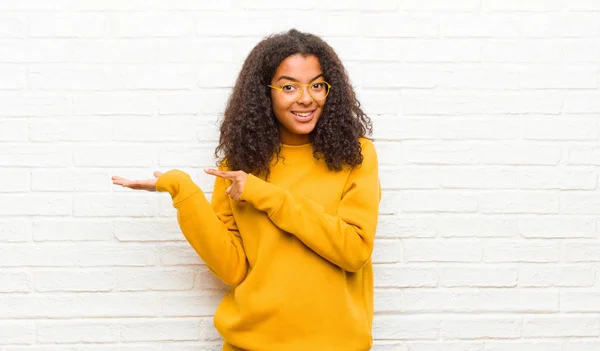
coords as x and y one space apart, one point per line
297 118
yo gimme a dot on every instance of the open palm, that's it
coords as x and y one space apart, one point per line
143 184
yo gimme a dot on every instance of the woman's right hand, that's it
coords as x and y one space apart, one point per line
144 184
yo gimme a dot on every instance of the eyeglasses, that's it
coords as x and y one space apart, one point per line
293 91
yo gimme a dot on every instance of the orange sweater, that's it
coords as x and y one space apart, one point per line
296 250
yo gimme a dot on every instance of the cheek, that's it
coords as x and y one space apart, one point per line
279 106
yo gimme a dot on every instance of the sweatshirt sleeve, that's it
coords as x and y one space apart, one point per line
345 239
209 228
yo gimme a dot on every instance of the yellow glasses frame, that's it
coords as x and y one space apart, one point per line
302 89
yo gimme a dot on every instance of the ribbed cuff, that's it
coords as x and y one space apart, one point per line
177 183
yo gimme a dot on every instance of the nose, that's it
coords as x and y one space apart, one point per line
306 98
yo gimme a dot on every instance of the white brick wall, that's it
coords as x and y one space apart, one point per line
487 121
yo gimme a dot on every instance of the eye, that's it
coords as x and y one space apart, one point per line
288 87
318 86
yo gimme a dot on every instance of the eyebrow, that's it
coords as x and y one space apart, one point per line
296 80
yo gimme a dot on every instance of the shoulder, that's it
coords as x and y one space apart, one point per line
367 148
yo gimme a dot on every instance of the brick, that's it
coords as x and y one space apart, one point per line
520 251
178 255
442 153
489 129
513 154
12 26
35 156
72 230
133 25
156 130
387 251
478 178
480 25
409 178
147 230
493 345
203 50
405 327
79 305
519 50
121 205
404 276
557 227
14 180
46 50
115 156
584 155
15 230
79 331
17 333
558 178
70 130
375 5
126 50
171 329
580 203
488 300
74 78
480 327
440 5
73 281
582 102
561 25
485 226
12 78
515 5
36 205
580 301
438 201
70 181
555 77
154 280
107 104
388 300
478 277
519 202
446 345
80 254
408 226
33 106
556 276
12 130
419 50
423 250
196 305
11 282
581 251
384 25
187 156
73 25
208 102
398 128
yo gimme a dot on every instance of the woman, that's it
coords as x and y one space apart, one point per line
293 215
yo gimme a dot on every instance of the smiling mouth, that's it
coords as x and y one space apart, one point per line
303 114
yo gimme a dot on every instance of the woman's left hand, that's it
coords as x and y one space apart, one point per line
238 180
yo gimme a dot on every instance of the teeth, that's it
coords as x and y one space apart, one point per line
306 114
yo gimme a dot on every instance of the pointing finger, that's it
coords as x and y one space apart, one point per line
222 174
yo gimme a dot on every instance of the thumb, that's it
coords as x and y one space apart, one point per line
158 174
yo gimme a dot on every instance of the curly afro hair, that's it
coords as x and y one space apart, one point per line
249 130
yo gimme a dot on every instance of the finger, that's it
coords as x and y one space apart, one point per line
121 181
222 174
157 174
117 178
228 190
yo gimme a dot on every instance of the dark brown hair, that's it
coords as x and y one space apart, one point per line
249 129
